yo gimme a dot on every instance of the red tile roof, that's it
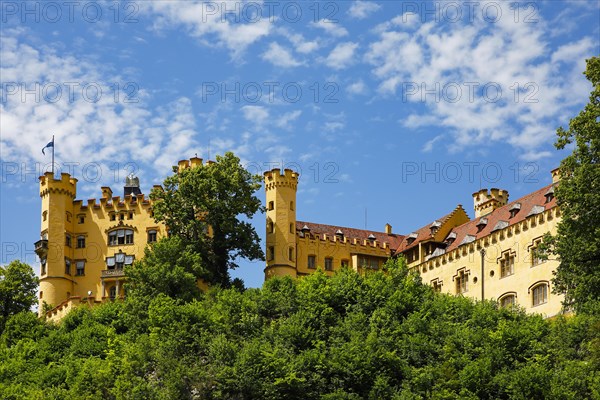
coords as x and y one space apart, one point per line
527 202
423 233
361 234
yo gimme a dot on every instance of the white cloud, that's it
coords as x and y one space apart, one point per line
342 55
287 118
96 129
280 56
255 114
206 22
455 61
331 27
357 87
362 9
428 147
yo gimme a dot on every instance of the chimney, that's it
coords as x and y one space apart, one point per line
106 192
388 229
485 202
555 175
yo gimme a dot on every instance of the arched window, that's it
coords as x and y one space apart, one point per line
539 294
508 300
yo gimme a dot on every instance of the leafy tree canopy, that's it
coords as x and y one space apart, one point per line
208 208
382 335
18 286
577 241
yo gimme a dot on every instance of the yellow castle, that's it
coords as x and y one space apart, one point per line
85 246
493 256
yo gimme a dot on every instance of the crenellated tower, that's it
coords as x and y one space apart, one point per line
55 248
281 222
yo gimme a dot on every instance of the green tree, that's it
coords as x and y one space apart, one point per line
208 208
18 285
577 241
168 267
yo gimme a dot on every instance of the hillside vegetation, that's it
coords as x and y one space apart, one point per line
383 335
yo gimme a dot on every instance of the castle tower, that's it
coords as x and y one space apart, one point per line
281 222
485 202
55 248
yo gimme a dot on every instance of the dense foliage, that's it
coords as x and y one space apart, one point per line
577 242
18 286
377 336
208 209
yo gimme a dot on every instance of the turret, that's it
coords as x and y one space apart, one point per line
485 202
281 222
55 247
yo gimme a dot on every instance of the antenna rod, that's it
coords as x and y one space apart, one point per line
52 156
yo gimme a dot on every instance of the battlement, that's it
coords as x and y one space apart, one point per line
275 178
191 163
65 185
485 201
344 240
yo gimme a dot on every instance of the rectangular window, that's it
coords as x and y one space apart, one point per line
368 262
271 205
112 216
537 254
130 215
80 242
437 285
151 236
292 205
122 216
312 263
119 260
328 264
80 268
540 294
291 254
345 263
81 219
271 255
68 240
507 265
67 266
291 228
43 268
461 280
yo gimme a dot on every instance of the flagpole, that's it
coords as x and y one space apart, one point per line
52 155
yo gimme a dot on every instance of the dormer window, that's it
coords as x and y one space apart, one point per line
450 238
435 226
371 237
481 224
549 194
514 209
411 238
305 228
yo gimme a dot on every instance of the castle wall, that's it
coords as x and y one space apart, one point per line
517 240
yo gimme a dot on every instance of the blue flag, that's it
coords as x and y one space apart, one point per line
51 144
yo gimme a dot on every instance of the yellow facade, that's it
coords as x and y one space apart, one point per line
85 245
493 255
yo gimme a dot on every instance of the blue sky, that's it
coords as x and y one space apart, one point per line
399 108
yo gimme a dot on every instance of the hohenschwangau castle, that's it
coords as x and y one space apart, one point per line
84 246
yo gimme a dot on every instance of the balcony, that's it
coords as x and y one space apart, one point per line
41 249
113 273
